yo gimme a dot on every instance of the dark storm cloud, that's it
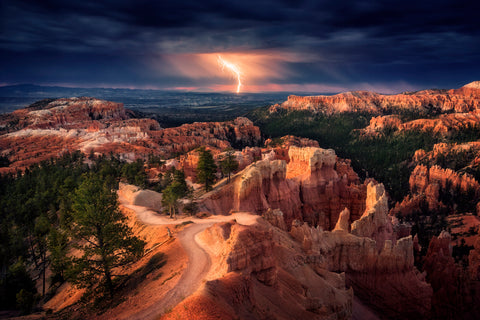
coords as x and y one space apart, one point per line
346 42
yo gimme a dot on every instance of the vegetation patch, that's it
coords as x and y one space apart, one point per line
184 223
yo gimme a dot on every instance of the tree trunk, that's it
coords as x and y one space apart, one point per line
44 258
106 267
32 250
108 279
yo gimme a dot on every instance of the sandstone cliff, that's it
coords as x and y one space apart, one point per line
260 273
445 124
314 186
434 181
463 99
375 262
64 113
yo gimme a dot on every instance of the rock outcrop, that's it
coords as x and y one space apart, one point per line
260 273
455 296
343 224
445 124
474 261
375 263
374 223
64 113
464 99
238 133
435 180
314 186
249 250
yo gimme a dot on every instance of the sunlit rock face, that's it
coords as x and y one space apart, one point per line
429 183
375 259
260 272
444 124
464 99
314 186
67 113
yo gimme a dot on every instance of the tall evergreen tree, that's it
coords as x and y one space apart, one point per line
175 190
58 247
228 163
101 234
206 168
41 230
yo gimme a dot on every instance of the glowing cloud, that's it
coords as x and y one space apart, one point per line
249 69
254 71
234 69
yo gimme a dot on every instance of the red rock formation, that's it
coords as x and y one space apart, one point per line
380 270
189 161
444 124
474 261
374 223
408 206
453 297
325 191
430 181
237 133
275 218
99 126
380 123
249 250
460 100
261 186
257 278
286 142
314 186
68 113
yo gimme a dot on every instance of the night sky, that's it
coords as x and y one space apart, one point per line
290 45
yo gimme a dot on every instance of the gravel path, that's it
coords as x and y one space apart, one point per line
199 262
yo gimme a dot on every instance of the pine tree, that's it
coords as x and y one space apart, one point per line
229 163
41 230
58 247
206 168
175 190
100 233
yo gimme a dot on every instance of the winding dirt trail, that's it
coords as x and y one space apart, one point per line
199 262
198 266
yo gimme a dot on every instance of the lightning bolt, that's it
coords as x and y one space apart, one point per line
233 68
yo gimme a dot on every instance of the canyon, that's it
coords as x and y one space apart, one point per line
296 232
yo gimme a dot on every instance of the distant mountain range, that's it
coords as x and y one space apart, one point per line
19 96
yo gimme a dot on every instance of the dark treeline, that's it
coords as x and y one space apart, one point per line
36 218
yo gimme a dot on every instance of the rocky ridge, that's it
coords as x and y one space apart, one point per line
444 124
464 99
